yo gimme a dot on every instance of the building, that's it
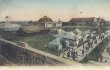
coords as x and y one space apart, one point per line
8 30
53 24
87 21
81 21
32 28
8 26
48 22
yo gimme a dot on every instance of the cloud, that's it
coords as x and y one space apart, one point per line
4 4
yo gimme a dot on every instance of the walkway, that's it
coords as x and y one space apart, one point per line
79 50
87 26
106 56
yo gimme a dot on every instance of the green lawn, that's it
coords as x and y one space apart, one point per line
37 41
71 28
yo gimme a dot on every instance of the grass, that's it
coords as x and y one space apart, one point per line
71 28
37 41
100 30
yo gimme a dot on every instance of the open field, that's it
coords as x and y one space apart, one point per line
39 41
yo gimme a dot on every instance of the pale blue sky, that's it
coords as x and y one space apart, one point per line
56 9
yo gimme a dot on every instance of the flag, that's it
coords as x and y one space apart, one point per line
6 17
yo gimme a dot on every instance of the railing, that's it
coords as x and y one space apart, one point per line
24 55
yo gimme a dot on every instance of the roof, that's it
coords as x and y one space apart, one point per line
67 35
82 19
60 31
78 30
9 26
32 28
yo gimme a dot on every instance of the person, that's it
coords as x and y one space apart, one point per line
88 38
105 61
76 53
101 58
88 44
69 54
65 54
83 52
95 41
94 37
83 47
99 35
98 54
75 44
87 48
73 55
67 44
59 49
76 56
91 42
107 50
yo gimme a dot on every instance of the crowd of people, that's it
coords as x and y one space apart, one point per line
70 51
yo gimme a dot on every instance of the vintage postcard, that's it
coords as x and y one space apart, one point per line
53 33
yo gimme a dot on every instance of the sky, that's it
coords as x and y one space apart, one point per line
62 10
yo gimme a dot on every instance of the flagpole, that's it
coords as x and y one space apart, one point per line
80 17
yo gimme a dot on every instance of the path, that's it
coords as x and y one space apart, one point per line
79 50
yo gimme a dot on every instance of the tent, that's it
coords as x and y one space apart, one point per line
60 31
55 41
55 44
79 37
79 32
60 34
69 35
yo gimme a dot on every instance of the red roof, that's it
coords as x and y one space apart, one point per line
82 19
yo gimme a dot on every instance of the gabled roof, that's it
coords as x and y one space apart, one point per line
82 19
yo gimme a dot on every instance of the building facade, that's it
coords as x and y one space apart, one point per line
53 24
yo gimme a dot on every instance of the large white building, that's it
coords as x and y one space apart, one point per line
53 24
8 26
